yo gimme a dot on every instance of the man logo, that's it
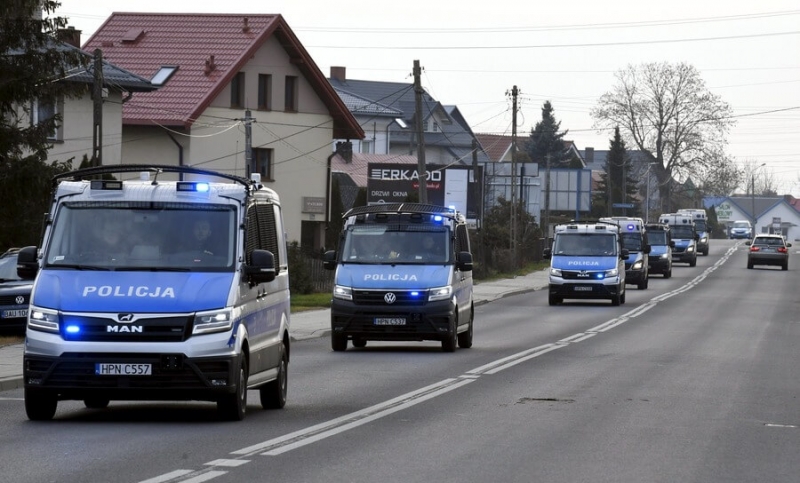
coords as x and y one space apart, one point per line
125 317
19 300
390 298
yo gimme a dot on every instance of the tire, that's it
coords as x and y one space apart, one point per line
642 284
693 263
749 265
554 299
465 338
273 394
338 342
96 402
40 405
785 266
232 407
451 340
616 300
668 273
359 342
622 297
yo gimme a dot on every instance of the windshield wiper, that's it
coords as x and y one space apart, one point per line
4 280
151 269
76 266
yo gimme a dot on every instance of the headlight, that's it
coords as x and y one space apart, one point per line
556 272
440 293
213 321
43 319
704 240
637 265
690 248
665 255
612 273
342 292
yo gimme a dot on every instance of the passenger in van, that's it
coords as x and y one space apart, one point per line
111 241
603 245
431 250
201 242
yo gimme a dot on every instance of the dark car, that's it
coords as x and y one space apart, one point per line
15 294
768 250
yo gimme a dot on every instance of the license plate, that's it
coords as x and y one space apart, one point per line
13 314
104 369
390 321
583 289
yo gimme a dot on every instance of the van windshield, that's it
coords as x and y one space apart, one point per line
148 236
584 245
657 238
408 244
632 241
700 225
682 232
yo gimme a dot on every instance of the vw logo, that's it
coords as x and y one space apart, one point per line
19 300
125 317
390 298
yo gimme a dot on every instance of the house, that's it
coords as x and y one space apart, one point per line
649 196
386 111
238 94
74 137
768 214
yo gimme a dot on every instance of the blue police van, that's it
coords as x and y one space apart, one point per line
403 273
148 288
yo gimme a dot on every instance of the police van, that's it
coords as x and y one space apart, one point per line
587 262
634 238
681 227
700 226
403 273
661 244
150 289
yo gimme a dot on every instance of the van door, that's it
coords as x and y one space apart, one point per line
462 281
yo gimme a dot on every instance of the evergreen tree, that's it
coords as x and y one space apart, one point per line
617 185
546 142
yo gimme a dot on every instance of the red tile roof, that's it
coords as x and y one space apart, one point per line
143 42
495 145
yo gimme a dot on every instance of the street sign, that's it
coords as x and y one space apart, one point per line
622 205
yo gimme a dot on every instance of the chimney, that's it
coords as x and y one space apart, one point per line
71 36
589 155
210 65
339 73
245 27
345 150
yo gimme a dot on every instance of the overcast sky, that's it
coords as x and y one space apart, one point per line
566 51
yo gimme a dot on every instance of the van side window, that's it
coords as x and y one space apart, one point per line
462 239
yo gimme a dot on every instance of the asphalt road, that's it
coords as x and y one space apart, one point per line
692 380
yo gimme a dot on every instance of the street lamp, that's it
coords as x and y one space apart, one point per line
753 195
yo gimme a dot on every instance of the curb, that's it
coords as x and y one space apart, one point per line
9 383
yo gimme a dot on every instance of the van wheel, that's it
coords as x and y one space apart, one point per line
465 338
554 299
232 407
642 284
359 342
693 263
273 394
40 405
450 341
96 402
616 300
338 342
668 273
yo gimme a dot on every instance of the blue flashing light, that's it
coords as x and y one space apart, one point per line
600 276
202 187
631 227
415 294
437 218
73 329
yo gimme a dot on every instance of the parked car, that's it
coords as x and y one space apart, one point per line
15 294
768 250
741 229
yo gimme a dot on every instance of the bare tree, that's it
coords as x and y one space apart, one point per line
756 180
666 111
719 176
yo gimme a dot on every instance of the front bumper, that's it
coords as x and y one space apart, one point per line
174 376
660 265
584 290
633 277
423 321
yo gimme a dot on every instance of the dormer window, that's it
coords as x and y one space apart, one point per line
164 73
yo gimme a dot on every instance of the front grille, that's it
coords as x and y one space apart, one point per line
12 299
579 275
678 249
107 329
402 297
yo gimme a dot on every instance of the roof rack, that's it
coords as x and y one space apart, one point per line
399 208
81 174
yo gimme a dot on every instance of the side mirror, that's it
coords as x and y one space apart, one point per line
261 268
624 253
27 263
788 245
672 243
547 253
329 260
646 249
748 242
464 261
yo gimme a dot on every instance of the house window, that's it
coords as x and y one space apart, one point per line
163 74
291 94
265 92
432 126
237 91
366 147
44 110
262 163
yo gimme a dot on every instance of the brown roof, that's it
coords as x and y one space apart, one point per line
495 146
357 169
144 42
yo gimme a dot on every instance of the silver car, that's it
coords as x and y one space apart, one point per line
768 250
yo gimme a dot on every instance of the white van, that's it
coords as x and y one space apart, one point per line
149 289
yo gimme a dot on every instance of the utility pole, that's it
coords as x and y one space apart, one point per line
547 197
97 117
421 169
248 142
514 93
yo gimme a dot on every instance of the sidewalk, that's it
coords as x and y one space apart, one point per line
306 325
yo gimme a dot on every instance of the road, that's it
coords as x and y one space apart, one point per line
692 380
